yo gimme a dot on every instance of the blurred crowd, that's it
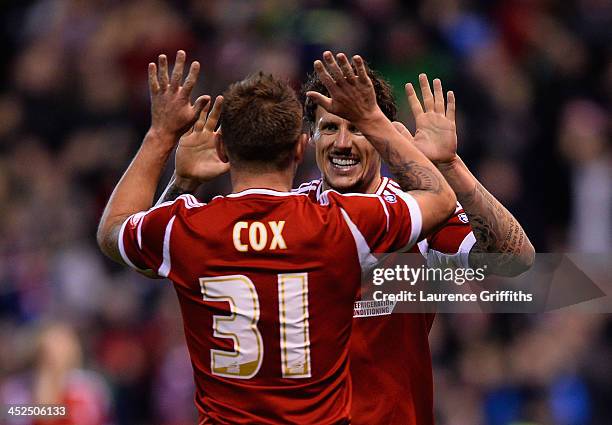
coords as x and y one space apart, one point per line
533 81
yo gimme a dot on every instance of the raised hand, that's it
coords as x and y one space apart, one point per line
352 96
171 110
436 132
196 156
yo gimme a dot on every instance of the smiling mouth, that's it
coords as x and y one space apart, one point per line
343 162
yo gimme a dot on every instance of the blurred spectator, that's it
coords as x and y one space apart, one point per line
57 379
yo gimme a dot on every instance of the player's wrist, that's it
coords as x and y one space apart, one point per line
157 146
162 136
458 177
186 184
372 122
450 164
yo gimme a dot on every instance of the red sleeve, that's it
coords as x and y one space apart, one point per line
382 223
144 238
450 244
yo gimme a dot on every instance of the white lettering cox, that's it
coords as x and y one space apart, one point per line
258 235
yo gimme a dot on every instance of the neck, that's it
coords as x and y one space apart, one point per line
275 180
363 188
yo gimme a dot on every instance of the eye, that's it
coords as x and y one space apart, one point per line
329 126
354 130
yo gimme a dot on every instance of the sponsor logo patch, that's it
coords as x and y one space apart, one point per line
371 308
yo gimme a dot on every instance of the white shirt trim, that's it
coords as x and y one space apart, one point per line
460 259
382 185
467 243
416 217
423 247
262 192
122 251
190 201
166 265
366 259
384 205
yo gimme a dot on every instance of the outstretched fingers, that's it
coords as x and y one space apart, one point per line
413 100
214 115
438 96
362 73
199 124
333 68
164 80
153 82
321 100
200 104
428 99
347 69
324 76
191 80
177 71
450 106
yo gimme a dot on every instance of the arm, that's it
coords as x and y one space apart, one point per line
501 242
176 187
136 189
353 98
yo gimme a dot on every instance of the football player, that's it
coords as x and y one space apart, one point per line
266 278
390 359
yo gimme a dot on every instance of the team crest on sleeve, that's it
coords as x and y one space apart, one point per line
390 198
463 217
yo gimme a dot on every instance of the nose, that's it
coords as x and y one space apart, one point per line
343 139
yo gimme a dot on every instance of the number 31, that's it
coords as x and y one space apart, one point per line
241 326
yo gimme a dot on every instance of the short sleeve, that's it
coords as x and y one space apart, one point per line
144 237
450 245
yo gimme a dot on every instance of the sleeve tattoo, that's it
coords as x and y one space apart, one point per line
172 192
501 242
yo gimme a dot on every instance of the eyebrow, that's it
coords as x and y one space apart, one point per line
325 121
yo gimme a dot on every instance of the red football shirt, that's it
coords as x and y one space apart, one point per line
390 359
266 282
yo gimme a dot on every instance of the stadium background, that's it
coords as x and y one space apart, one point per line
533 79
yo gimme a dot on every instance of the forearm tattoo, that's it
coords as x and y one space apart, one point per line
410 175
171 193
501 242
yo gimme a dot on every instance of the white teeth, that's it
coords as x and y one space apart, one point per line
340 162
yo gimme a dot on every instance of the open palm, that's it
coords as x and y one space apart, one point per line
196 155
171 110
436 132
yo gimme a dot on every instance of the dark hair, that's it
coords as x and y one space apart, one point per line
384 96
261 121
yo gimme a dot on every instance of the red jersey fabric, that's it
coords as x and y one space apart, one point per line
266 283
390 360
